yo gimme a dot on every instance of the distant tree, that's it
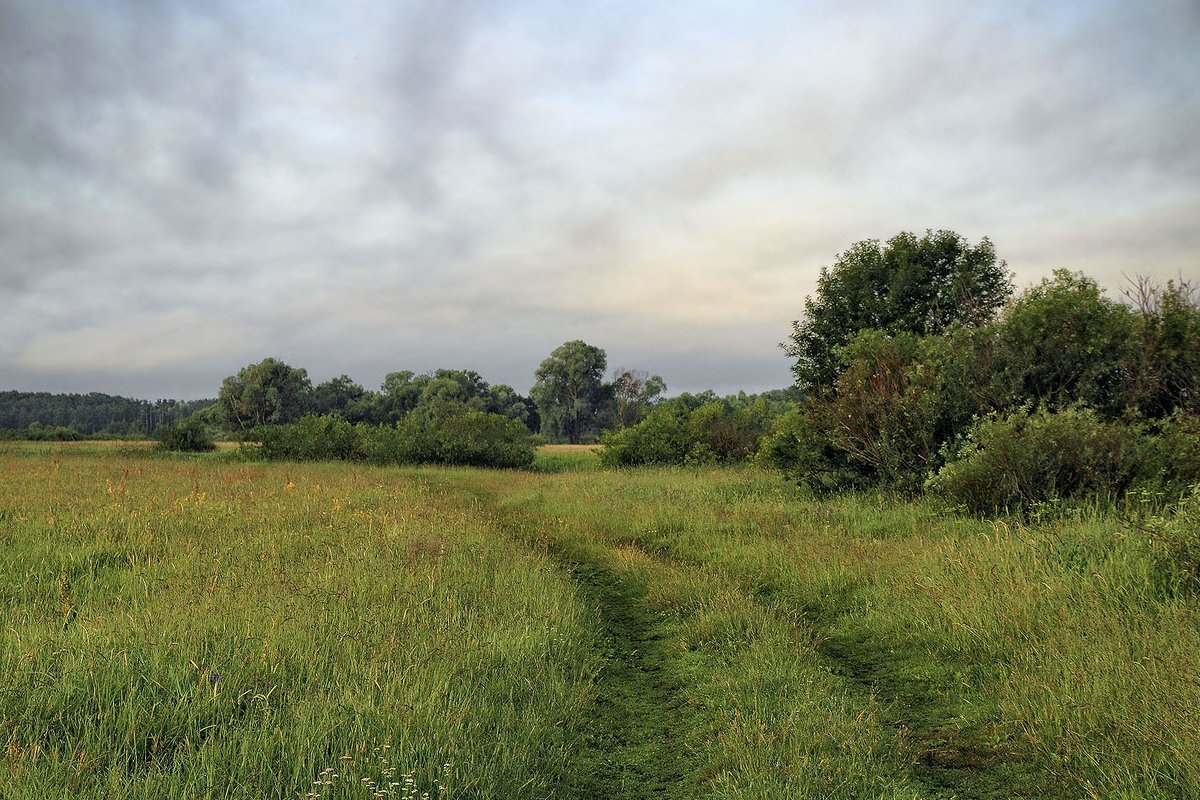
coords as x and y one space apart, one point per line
447 392
335 396
92 413
267 393
570 392
910 285
634 393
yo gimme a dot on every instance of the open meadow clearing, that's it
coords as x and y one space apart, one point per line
201 627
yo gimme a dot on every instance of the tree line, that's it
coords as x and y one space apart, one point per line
42 415
570 400
919 369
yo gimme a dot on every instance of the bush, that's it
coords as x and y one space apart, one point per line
189 435
671 434
312 438
800 449
484 440
473 438
1025 458
1172 465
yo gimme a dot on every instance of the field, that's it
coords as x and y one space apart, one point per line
197 627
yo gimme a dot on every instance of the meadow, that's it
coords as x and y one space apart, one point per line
182 627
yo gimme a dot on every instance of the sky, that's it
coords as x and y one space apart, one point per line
362 187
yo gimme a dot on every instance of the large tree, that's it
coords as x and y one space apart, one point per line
923 285
570 392
634 394
269 392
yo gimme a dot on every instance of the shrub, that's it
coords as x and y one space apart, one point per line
313 438
673 434
1025 458
799 448
484 440
1172 465
473 438
189 435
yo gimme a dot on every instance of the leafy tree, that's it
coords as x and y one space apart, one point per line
910 285
269 392
1063 342
336 396
92 413
570 392
1166 362
634 394
447 392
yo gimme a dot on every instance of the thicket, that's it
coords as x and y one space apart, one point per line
472 438
189 435
1059 393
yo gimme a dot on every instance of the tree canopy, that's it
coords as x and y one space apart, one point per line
908 285
269 392
570 392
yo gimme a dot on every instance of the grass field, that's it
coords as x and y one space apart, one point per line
196 627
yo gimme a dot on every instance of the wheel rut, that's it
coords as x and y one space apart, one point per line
632 744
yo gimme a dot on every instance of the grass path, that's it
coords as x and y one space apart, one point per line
631 748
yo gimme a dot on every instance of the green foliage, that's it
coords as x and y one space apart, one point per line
338 395
473 438
673 434
313 438
478 439
267 393
1063 342
189 435
1178 535
634 392
446 393
37 432
1166 364
1024 458
910 285
93 413
570 392
898 400
1172 461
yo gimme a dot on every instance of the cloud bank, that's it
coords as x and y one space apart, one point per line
367 187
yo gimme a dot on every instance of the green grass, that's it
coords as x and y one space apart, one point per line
191 627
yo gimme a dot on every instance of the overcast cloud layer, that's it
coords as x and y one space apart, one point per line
365 187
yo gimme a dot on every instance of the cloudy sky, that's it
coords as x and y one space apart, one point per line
362 186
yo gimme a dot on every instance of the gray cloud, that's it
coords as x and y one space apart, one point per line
361 188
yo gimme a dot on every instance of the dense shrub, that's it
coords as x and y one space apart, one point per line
37 432
473 438
1024 458
1172 463
673 434
897 401
484 440
800 449
313 438
189 435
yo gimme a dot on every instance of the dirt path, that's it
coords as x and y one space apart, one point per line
631 747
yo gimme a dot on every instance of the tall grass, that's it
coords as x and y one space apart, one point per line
862 646
196 629
186 627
